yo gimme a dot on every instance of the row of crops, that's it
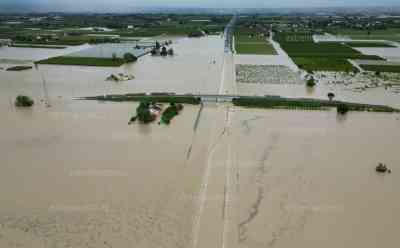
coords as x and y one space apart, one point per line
323 56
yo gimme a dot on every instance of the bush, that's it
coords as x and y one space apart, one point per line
172 111
342 109
143 113
129 57
311 82
196 34
164 51
24 101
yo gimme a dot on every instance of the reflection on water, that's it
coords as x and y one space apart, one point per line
341 118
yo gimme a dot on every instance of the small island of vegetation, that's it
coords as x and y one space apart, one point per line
23 101
172 111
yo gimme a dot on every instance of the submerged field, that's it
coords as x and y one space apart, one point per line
285 201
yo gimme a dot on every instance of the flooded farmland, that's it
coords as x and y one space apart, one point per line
307 179
77 175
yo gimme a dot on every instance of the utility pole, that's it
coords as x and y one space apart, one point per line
44 86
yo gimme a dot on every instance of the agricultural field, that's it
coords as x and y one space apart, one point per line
77 29
368 44
255 48
391 34
323 64
248 41
326 56
382 68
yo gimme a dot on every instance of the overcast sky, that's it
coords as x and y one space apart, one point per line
76 5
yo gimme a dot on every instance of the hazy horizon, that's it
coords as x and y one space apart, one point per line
127 6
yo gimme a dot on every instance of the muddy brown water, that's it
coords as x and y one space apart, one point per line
77 175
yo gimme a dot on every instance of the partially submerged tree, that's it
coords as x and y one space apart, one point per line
164 51
342 108
331 96
143 113
171 112
24 101
154 51
311 82
114 56
158 46
171 52
129 57
196 34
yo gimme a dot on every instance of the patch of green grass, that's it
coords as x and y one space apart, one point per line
382 68
254 48
323 64
106 62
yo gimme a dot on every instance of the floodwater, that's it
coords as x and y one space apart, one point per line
77 175
307 179
278 86
195 68
18 54
342 93
82 177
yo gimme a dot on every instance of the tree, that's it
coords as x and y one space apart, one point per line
143 113
196 34
331 96
311 82
164 51
377 73
23 101
129 57
342 108
171 51
114 56
158 46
